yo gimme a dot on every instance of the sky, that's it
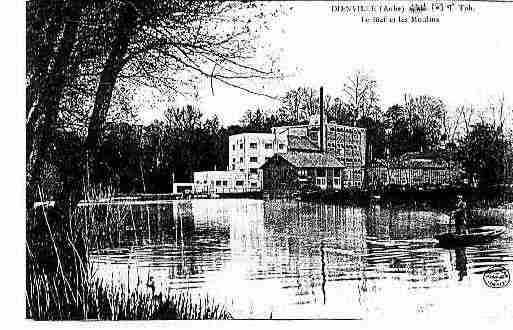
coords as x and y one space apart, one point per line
463 59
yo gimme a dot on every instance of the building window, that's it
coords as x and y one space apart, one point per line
241 146
336 181
268 145
241 160
281 146
233 167
253 184
239 183
205 182
218 183
233 160
253 171
321 172
233 147
321 181
336 172
225 183
252 145
253 159
242 170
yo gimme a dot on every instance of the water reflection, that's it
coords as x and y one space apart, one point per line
461 262
294 259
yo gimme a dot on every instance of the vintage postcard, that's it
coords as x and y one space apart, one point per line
338 160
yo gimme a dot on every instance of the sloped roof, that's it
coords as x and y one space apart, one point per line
419 155
414 162
310 159
301 143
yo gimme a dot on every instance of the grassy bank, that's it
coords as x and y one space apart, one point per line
48 298
60 284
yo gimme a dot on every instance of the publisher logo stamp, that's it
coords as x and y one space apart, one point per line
496 277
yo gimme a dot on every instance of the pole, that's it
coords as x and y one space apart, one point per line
321 118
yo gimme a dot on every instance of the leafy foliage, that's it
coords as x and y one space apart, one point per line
482 153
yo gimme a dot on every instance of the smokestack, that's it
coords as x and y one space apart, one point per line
321 119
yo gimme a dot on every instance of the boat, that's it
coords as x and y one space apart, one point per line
484 234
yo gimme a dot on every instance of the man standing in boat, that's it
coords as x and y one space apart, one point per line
460 215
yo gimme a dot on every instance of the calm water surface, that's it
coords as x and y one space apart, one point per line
291 259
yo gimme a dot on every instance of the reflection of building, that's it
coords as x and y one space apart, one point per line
413 170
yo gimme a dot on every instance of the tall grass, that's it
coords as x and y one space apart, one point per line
69 289
47 299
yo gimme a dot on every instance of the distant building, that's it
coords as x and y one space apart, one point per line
346 143
295 170
414 170
207 182
248 151
179 187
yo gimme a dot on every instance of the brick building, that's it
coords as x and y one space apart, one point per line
295 170
414 170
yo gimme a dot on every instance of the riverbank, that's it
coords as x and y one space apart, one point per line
440 198
61 285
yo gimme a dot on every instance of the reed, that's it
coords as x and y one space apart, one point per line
70 291
48 299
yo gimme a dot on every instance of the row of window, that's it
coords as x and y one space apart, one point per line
251 159
316 172
336 182
348 134
254 145
224 183
321 172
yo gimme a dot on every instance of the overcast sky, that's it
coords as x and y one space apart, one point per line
462 59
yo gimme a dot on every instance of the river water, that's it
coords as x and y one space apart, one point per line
293 259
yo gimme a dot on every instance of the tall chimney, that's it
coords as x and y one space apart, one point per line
321 119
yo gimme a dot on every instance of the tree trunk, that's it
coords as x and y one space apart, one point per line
43 127
113 66
37 66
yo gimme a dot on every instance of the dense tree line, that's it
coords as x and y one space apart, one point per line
137 158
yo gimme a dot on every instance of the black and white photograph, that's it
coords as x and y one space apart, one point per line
265 160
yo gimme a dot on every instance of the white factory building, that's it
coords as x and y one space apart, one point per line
249 151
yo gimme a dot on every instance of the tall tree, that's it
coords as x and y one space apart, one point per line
155 40
482 152
360 94
95 47
42 116
416 125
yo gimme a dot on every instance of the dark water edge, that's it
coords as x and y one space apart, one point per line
60 283
433 199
